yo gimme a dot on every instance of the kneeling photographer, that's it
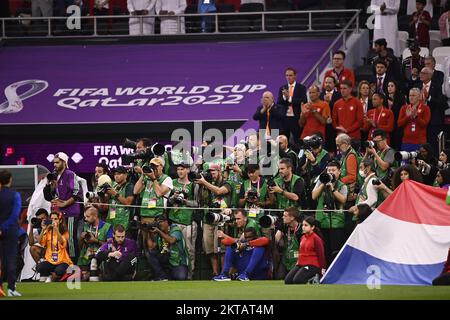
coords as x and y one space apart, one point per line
117 257
183 196
287 241
95 233
331 195
246 251
120 196
166 251
39 222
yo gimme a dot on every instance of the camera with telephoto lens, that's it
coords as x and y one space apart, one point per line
192 176
327 177
376 182
310 142
148 168
270 221
101 190
214 218
178 198
405 155
252 195
156 149
368 144
52 176
36 222
136 225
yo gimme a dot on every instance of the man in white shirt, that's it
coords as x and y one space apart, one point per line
141 8
167 8
386 25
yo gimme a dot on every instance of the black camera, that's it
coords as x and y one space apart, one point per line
146 154
311 142
214 218
52 176
327 177
136 225
271 182
376 182
178 197
368 144
36 222
87 236
192 176
269 221
148 168
252 195
101 190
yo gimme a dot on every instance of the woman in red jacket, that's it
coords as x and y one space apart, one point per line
311 258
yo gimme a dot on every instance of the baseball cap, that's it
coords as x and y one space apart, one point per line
157 161
184 165
214 166
64 157
120 169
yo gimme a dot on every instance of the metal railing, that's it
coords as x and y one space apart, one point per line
328 54
261 22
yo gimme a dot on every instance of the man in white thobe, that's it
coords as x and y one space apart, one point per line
386 25
139 8
169 25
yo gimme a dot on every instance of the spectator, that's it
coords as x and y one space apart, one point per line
392 63
331 194
95 233
405 172
167 8
443 179
287 241
288 187
365 96
120 198
154 188
420 24
42 8
167 253
271 116
183 196
414 119
444 277
444 25
381 78
311 258
314 115
348 112
291 96
432 96
117 257
395 100
207 22
412 65
63 192
10 207
141 8
339 72
34 232
219 193
54 238
330 95
438 76
386 25
444 159
379 117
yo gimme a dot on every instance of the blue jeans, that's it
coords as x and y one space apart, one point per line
253 262
159 262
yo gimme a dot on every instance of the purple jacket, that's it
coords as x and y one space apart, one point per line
129 247
67 188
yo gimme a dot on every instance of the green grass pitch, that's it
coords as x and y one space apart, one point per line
235 290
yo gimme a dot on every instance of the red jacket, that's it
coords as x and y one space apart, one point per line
311 251
350 115
346 74
419 124
260 242
383 118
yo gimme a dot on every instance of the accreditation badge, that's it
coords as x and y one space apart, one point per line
112 213
253 212
151 204
55 256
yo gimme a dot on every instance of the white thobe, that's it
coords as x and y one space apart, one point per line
169 25
148 24
386 25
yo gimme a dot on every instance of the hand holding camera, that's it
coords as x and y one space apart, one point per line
310 156
115 254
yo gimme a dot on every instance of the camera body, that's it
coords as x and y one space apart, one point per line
101 190
327 177
36 222
405 155
192 176
252 195
311 142
368 144
149 168
52 176
271 182
178 197
136 225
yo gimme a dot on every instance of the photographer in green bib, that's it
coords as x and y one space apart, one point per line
288 188
236 171
331 194
120 197
287 241
218 193
183 194
95 233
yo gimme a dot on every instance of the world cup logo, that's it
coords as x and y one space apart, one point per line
14 101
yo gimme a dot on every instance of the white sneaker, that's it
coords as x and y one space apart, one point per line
14 293
43 279
48 280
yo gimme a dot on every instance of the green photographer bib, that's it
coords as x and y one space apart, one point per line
182 216
337 217
178 255
152 205
119 214
253 211
282 201
89 250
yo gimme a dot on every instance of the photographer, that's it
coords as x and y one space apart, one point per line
331 194
10 206
288 188
121 193
154 187
426 163
444 159
236 171
287 152
34 232
218 193
183 196
245 250
287 240
63 192
382 154
117 257
254 195
95 233
55 240
167 252
100 170
406 172
368 193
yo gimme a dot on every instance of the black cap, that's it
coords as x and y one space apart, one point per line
381 42
184 165
120 169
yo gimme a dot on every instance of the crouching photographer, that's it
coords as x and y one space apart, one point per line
331 195
246 251
95 233
37 224
287 241
54 239
166 251
117 258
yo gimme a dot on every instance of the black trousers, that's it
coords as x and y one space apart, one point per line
291 129
334 240
45 268
301 274
8 257
442 280
114 270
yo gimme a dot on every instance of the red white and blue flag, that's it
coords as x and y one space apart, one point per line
406 239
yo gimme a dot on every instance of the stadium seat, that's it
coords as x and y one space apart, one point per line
423 52
225 22
435 39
